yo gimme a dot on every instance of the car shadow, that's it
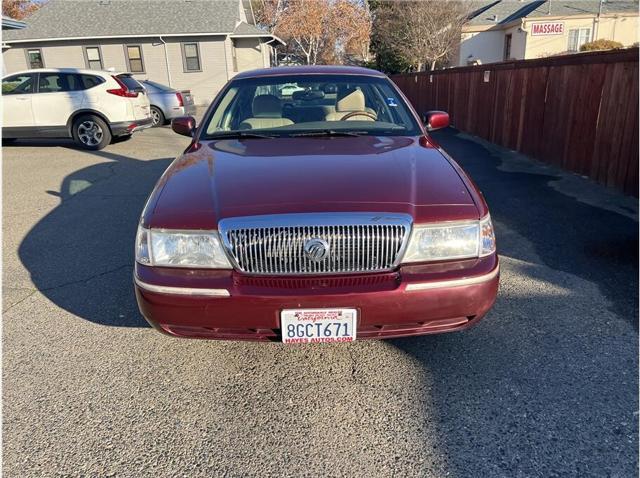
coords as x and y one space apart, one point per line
54 142
80 255
546 384
562 232
41 143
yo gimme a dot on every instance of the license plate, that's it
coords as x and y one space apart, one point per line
303 326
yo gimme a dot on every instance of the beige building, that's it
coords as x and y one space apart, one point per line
523 29
187 44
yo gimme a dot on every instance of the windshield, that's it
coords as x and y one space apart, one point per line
301 104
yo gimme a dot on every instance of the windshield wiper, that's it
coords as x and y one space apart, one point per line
329 132
238 134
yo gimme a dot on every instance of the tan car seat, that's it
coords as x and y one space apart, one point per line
350 101
267 113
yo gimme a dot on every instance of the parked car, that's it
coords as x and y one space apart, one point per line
356 225
167 102
288 90
92 107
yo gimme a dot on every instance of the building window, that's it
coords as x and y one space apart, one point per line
578 37
191 57
507 46
93 57
34 58
134 58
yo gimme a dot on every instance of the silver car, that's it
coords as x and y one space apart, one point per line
167 102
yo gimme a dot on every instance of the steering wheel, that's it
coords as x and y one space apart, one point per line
359 113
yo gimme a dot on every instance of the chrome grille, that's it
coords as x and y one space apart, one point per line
357 242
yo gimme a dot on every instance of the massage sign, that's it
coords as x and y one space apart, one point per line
547 28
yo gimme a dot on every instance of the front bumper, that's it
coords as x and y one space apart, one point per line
415 300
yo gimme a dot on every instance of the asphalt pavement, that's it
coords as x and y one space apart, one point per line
546 385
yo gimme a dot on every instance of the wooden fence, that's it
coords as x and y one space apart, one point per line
579 112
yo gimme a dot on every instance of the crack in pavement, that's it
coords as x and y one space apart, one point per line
353 362
33 291
66 284
87 279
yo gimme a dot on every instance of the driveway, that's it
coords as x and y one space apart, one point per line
546 385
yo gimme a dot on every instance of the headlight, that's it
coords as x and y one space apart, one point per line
451 241
197 249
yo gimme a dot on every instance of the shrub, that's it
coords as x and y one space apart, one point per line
601 44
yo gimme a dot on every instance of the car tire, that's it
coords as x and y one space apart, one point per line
91 132
157 116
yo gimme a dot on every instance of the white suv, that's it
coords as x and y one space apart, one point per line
92 107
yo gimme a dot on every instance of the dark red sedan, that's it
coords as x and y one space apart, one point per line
312 206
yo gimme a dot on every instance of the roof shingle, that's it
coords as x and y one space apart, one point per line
107 18
506 11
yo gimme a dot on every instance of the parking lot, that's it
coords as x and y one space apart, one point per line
546 385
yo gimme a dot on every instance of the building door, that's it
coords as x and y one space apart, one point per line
507 47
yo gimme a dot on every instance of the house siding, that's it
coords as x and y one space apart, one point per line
63 57
215 60
206 83
113 56
484 46
248 54
13 60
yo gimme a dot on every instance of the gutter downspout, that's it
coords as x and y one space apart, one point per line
526 37
226 64
166 60
597 26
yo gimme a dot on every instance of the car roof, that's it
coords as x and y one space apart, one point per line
67 70
309 70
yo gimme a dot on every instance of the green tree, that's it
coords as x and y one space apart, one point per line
386 58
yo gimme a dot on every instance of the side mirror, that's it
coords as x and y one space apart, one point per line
184 125
434 120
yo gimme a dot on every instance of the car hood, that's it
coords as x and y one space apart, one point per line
230 178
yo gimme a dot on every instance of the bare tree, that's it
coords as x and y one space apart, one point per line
325 31
269 12
304 23
352 27
19 9
424 32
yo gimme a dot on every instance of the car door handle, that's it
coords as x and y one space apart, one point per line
22 99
